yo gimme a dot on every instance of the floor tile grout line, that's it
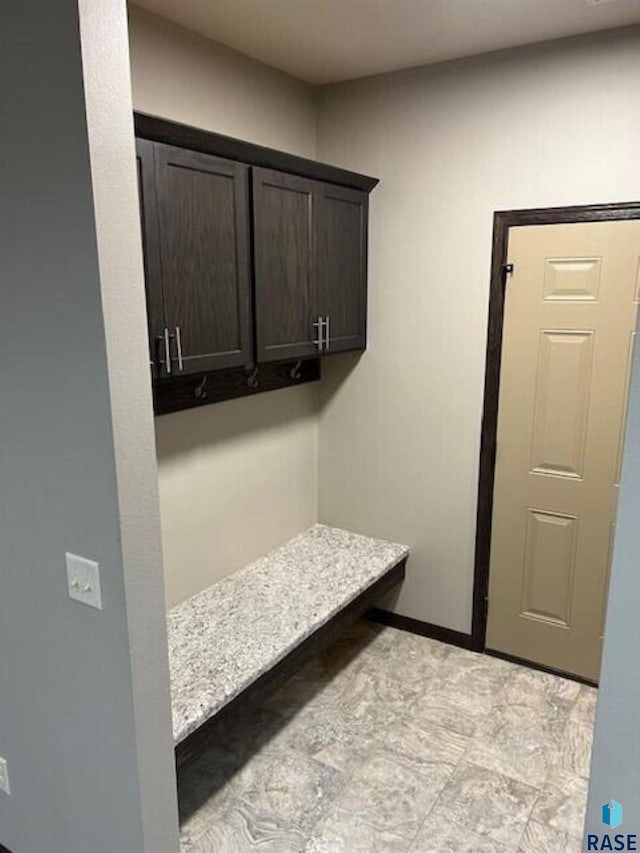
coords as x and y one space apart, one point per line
537 790
431 809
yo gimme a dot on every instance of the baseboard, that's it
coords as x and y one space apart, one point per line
541 667
417 626
464 641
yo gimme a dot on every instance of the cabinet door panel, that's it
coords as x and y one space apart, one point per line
149 226
285 277
341 221
203 228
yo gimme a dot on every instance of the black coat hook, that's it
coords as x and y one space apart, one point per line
295 372
252 378
199 391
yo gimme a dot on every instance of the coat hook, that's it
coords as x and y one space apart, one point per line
252 378
199 391
295 371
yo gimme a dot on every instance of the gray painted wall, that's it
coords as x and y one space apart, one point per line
615 769
72 697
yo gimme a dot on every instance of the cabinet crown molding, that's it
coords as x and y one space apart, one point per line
158 129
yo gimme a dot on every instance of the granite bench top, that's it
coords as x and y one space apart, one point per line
224 638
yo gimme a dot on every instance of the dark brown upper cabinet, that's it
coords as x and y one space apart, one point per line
255 263
341 251
310 250
284 258
196 237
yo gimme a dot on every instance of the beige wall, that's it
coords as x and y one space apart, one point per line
237 478
188 78
398 429
399 434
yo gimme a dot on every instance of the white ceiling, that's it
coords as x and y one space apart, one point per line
323 41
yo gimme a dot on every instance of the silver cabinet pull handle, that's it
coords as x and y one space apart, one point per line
167 350
326 332
317 324
179 349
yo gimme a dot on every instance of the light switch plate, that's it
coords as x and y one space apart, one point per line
4 777
83 580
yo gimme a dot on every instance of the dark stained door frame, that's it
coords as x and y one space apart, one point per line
502 222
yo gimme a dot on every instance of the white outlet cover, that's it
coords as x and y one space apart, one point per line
4 777
83 580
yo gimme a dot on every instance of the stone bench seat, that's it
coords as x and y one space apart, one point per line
237 632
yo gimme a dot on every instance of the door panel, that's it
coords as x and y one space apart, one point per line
550 550
570 311
572 279
285 277
342 265
561 402
203 225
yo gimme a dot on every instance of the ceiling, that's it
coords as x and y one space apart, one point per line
323 41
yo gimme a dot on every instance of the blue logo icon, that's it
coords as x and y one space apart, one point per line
612 814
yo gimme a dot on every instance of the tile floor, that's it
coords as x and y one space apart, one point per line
390 742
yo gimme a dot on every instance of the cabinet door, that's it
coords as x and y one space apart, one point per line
149 226
285 276
341 224
203 236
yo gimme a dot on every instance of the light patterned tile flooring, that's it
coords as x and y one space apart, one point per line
389 743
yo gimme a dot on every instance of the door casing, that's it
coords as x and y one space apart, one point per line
502 221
